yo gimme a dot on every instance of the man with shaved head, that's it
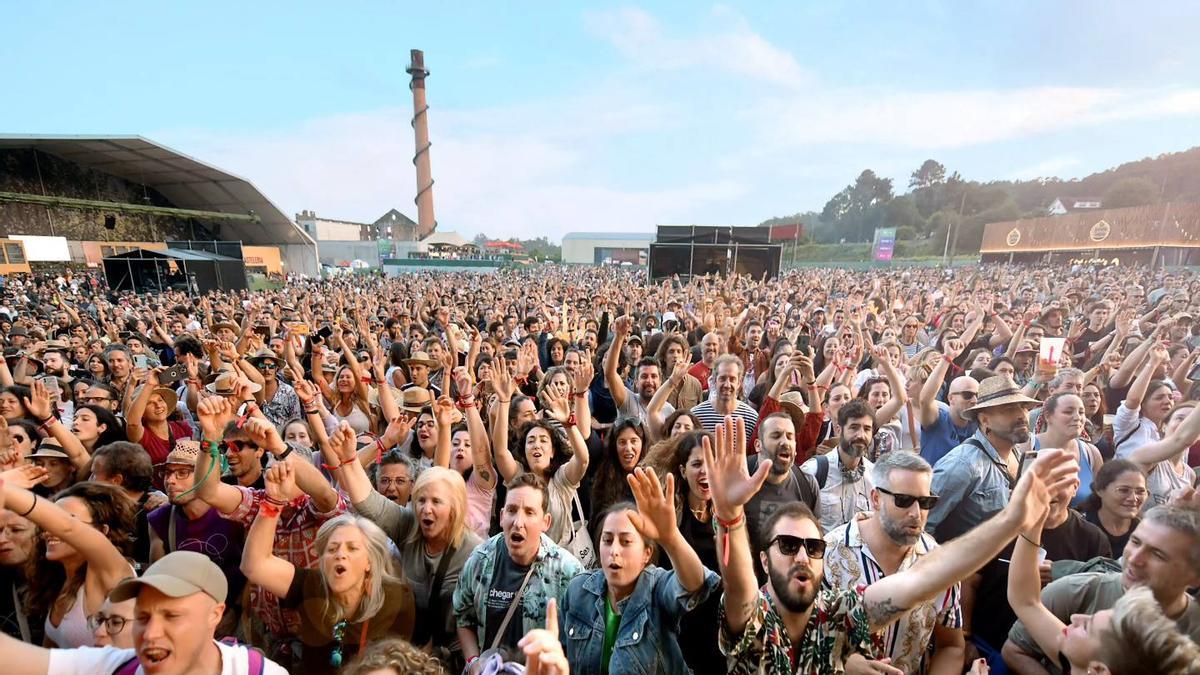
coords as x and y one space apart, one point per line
943 425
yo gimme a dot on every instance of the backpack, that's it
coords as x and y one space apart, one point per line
822 470
257 660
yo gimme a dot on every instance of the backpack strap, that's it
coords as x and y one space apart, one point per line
822 470
171 530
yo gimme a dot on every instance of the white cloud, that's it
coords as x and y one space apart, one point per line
734 48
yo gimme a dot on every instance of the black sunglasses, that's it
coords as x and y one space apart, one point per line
790 546
904 501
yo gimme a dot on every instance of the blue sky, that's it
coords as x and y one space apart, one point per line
548 118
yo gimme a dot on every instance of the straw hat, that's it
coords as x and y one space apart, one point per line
168 395
49 449
421 359
792 403
997 391
186 452
413 399
265 354
225 324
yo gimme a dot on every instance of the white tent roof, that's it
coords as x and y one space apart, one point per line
445 239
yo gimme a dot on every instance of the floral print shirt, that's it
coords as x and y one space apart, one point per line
837 628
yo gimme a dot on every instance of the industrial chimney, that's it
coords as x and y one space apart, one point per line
426 223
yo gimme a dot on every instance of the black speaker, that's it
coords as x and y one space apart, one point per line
110 221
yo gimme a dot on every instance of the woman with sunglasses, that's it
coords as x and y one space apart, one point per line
624 617
112 625
86 537
352 598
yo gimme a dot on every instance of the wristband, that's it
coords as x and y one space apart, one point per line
311 411
467 667
284 455
728 526
31 507
1038 545
571 421
269 509
581 394
332 467
273 501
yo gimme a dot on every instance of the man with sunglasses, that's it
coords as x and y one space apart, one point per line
790 625
945 425
892 540
280 402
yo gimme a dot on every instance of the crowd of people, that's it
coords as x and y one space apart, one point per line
575 469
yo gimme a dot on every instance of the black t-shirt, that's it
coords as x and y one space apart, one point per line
9 597
798 487
505 583
1116 542
260 484
1075 539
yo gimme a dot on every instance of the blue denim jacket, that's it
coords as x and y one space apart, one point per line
973 485
647 641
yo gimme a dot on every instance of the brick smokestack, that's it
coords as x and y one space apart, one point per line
426 223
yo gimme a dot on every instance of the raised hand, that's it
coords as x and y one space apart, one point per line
556 407
305 391
343 442
622 325
24 476
38 402
1053 472
215 413
280 482
462 382
502 380
584 375
397 430
655 515
542 648
729 479
264 434
443 411
952 348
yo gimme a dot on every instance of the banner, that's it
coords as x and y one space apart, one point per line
885 244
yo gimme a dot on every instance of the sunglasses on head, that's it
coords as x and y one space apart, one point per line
790 545
904 501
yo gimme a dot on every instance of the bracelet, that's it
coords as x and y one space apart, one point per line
571 421
46 421
581 394
311 411
728 526
284 455
503 400
269 510
467 667
273 501
1036 544
332 467
211 447
45 426
31 507
378 451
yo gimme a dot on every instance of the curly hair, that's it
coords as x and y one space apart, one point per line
112 512
562 450
397 656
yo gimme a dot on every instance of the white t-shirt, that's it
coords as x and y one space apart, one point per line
235 660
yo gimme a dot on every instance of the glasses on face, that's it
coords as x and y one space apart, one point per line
113 625
267 365
904 501
240 446
182 473
388 482
790 546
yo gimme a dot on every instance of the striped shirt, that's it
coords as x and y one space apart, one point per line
908 642
710 418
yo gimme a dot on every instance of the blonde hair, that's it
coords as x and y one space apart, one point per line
458 502
398 656
1140 635
382 570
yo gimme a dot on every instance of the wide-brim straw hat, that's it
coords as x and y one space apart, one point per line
168 394
996 391
265 354
227 384
792 403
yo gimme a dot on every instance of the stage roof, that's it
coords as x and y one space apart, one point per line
187 182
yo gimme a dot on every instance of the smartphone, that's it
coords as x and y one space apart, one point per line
52 387
1194 373
1027 459
173 374
141 360
802 343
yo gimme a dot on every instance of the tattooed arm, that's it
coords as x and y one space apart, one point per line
889 598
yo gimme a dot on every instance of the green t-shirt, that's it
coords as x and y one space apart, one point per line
612 623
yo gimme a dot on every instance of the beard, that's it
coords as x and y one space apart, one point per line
850 449
793 601
894 529
1014 435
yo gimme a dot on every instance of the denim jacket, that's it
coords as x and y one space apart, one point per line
647 641
554 567
973 485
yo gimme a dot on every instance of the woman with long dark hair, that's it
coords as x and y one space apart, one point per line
1098 431
623 451
86 537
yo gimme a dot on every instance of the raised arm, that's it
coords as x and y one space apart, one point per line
481 445
503 384
1141 384
260 565
890 597
654 409
1184 436
888 411
102 557
559 409
40 406
443 415
215 413
928 410
655 520
351 360
733 486
137 405
612 379
1129 366
1025 592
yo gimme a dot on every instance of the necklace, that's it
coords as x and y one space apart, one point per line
701 514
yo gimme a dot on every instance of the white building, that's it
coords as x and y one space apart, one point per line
606 248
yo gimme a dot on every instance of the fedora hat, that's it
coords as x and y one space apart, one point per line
265 354
792 403
996 391
225 324
413 399
226 384
421 359
49 449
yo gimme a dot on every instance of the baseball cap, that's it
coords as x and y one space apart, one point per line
177 575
